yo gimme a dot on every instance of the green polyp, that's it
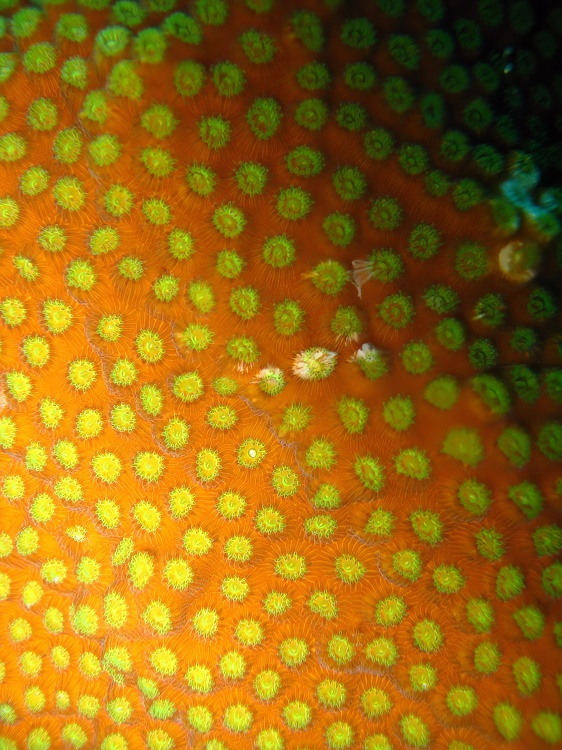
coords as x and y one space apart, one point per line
487 657
515 444
527 675
228 78
212 12
13 147
52 239
69 193
74 72
329 277
214 131
201 295
404 50
7 65
440 43
467 193
251 178
413 463
131 268
27 268
454 146
159 120
313 76
95 106
24 22
380 524
105 150
279 251
264 117
72 26
407 564
437 183
112 40
491 162
346 323
448 579
339 228
311 114
433 110
493 392
527 497
549 441
40 58
229 220
415 731
451 334
245 302
413 158
398 94
471 261
474 496
427 526
166 288
349 183
370 472
372 362
551 580
288 317
293 203
201 179
229 264
547 726
128 13
483 354
42 114
424 241
259 47
508 721
80 274
417 358
244 349
378 144
34 181
67 145
385 213
123 80
461 700
480 614
397 310
308 29
489 544
441 299
490 310
304 161
327 496
464 445
351 116
358 33
542 304
150 46
296 418
548 540
156 211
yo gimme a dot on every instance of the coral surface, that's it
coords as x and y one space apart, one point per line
281 375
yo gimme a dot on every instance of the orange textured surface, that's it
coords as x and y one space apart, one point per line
114 562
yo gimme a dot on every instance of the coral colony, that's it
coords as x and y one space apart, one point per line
281 375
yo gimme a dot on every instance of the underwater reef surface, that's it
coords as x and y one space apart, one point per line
281 375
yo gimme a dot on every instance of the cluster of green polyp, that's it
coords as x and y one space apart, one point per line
281 390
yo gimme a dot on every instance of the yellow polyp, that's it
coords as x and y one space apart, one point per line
147 516
115 610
